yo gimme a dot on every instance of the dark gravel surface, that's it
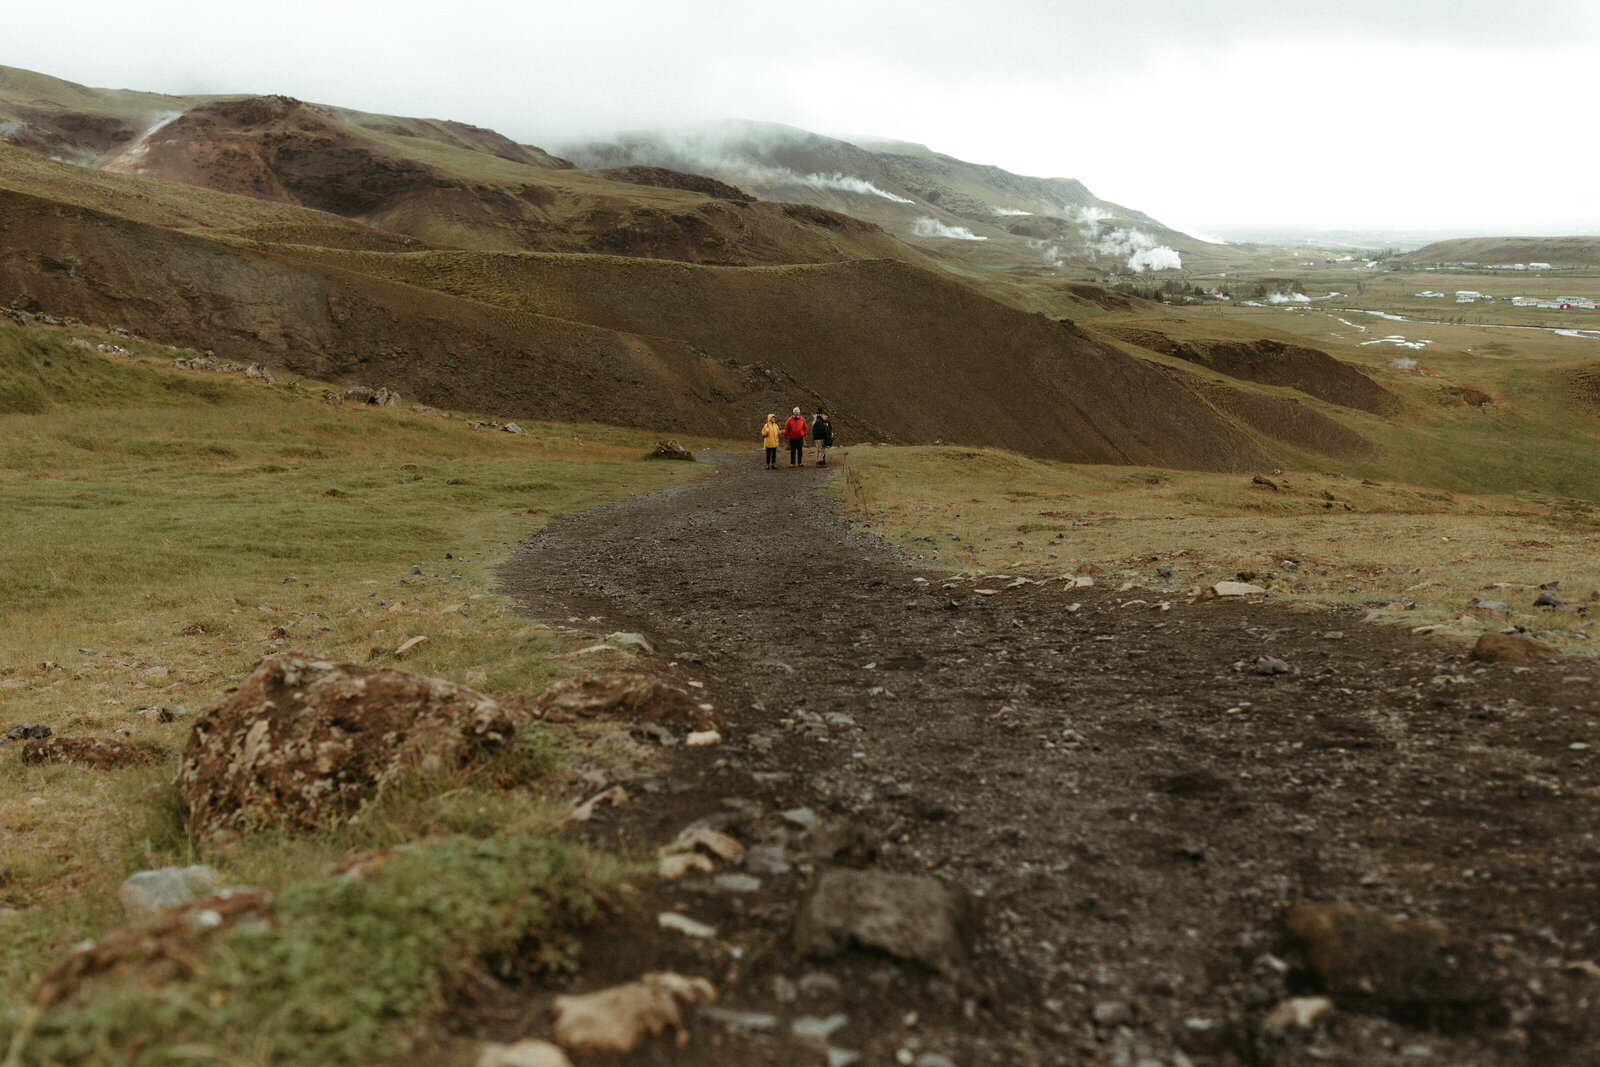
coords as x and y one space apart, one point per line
1132 793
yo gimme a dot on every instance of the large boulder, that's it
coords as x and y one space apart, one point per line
305 740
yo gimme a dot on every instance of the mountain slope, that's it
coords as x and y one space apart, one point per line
440 183
980 214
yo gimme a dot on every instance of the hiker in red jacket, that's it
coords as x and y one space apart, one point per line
794 431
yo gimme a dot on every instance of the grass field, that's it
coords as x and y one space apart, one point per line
165 528
1427 550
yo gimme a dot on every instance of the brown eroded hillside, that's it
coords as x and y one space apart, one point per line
916 354
897 352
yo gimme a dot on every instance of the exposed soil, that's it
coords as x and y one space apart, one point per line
1272 362
663 178
1132 792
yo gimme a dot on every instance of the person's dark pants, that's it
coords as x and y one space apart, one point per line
772 456
797 451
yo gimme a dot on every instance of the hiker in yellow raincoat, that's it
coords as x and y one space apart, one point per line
771 434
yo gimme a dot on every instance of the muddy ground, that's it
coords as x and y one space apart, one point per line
1131 794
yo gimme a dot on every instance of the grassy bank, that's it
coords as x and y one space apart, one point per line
1349 540
165 528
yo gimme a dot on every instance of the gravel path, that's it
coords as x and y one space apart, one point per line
1136 789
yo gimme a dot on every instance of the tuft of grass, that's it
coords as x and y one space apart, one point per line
348 965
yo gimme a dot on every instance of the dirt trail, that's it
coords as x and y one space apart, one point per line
1133 794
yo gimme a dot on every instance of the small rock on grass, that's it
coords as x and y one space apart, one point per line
27 731
621 1018
616 796
639 641
1236 589
144 894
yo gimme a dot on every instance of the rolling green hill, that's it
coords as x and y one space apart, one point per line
1487 251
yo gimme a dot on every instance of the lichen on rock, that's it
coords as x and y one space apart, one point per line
306 740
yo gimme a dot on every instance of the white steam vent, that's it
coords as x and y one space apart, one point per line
1158 258
1143 251
930 227
850 184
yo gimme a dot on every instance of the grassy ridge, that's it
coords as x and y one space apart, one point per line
164 528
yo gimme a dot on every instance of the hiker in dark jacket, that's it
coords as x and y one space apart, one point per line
822 435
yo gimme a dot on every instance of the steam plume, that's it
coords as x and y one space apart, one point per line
850 184
1089 218
1158 258
930 227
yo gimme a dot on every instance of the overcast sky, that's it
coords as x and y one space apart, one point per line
1452 114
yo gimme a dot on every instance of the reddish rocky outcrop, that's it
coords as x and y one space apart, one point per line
637 697
304 740
101 753
153 953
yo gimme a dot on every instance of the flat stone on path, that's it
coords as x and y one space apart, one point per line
621 1018
911 916
1410 969
1513 648
529 1052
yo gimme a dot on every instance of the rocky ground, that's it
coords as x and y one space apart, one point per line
1168 828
